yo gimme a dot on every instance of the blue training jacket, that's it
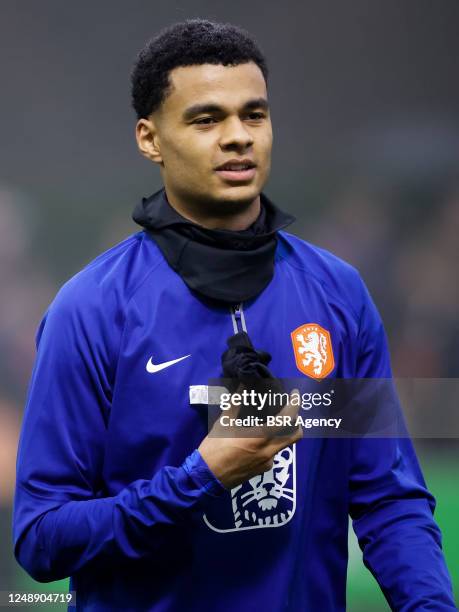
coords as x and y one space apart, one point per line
112 492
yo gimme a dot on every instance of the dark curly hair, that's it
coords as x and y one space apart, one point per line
191 42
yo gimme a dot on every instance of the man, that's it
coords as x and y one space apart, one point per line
118 485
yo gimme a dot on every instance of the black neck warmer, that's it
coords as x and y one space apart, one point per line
224 265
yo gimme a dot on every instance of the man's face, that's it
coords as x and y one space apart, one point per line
212 115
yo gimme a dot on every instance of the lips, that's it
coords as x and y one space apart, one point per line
237 170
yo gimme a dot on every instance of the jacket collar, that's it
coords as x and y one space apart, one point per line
228 266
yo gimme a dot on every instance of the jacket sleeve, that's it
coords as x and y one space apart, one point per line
61 521
391 507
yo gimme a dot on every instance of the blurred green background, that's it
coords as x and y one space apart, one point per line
364 100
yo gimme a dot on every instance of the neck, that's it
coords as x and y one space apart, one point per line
233 216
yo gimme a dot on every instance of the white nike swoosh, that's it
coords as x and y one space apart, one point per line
152 368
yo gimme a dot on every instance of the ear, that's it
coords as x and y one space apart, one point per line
148 140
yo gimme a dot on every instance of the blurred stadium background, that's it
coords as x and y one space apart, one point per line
365 100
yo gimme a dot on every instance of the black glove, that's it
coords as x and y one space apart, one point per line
246 366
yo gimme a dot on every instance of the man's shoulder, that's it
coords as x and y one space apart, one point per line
324 266
111 278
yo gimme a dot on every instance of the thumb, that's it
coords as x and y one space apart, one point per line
293 405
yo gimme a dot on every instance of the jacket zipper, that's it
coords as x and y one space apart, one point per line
237 315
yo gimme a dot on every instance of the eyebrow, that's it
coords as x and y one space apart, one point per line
197 109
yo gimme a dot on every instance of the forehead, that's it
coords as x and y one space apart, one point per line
228 86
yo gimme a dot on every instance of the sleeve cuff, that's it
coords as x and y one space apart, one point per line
202 475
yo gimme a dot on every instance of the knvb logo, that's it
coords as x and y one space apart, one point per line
313 350
266 500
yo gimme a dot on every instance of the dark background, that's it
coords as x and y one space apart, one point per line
364 97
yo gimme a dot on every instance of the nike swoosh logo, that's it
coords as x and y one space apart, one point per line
152 368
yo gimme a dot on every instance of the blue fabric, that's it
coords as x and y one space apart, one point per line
112 491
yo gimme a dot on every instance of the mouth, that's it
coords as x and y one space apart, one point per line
237 171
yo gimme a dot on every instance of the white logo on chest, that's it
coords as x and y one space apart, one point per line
267 500
152 368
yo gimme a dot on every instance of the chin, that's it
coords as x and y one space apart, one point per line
240 194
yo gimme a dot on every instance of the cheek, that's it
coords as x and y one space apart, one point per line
190 154
264 145
269 141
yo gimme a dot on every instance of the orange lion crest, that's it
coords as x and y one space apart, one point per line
313 350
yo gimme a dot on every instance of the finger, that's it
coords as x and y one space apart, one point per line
282 441
293 405
285 420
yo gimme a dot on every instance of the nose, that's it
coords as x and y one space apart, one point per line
268 486
235 135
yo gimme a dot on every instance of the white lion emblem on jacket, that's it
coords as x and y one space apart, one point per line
266 499
314 350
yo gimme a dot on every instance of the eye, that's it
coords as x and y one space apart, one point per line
256 115
204 121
